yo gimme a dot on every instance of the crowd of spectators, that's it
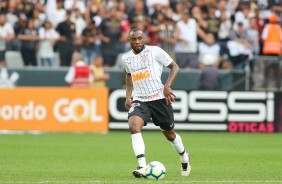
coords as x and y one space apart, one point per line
229 31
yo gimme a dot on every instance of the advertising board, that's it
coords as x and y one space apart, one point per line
54 109
235 111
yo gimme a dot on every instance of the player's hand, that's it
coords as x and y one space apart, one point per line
128 103
169 96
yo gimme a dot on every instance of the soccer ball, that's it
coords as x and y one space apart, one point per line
155 170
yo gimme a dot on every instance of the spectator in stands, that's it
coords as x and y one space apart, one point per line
40 5
197 14
154 28
19 25
3 7
213 22
152 4
12 12
92 9
125 25
166 36
28 37
209 79
66 30
50 6
113 38
239 46
276 7
6 35
48 37
243 15
111 3
253 37
79 21
199 3
28 7
186 46
272 37
225 28
211 48
253 5
91 39
100 77
102 13
18 11
260 21
169 12
79 74
232 6
58 14
38 18
80 24
176 16
72 5
138 14
221 9
121 6
15 44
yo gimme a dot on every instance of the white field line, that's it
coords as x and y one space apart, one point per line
149 181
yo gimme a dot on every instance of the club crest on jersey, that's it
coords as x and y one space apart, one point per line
144 56
140 75
132 107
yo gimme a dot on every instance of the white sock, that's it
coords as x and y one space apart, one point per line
179 147
139 148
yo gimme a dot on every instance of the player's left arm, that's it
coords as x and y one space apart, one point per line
169 95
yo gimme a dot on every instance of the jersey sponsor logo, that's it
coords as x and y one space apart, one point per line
141 75
149 97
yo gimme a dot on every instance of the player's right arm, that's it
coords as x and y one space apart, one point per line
129 89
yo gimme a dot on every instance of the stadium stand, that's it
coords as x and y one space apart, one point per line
160 20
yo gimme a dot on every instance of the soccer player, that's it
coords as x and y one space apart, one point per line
151 98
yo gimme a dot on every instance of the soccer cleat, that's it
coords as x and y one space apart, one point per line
139 172
186 167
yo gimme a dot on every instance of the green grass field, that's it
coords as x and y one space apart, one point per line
108 158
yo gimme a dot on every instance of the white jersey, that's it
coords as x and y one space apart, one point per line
146 69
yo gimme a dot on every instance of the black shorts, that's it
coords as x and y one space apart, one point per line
158 110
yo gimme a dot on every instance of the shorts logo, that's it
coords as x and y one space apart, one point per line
140 75
132 107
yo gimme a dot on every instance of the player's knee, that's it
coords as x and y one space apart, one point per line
135 127
170 136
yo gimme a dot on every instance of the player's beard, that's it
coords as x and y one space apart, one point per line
139 50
